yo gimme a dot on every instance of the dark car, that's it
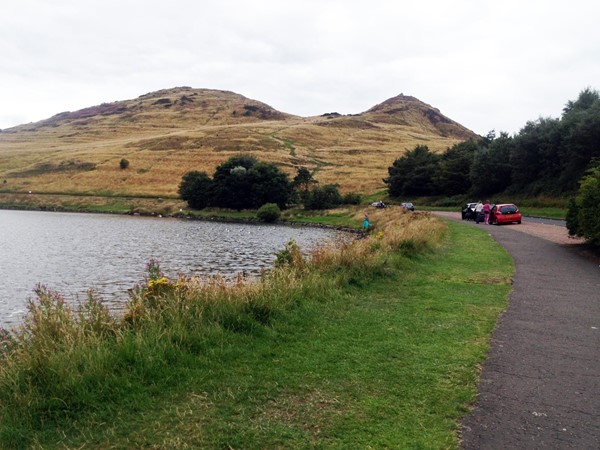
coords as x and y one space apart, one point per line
468 211
505 213
408 206
379 204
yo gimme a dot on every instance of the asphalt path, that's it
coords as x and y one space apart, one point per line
540 385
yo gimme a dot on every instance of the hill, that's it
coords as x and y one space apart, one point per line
167 133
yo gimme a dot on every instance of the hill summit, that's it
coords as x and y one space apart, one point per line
167 133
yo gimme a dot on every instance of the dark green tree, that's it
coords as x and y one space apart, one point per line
534 157
580 129
196 189
244 182
413 173
583 218
323 197
269 185
302 183
491 169
232 184
454 167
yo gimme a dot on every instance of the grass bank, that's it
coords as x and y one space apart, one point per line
372 344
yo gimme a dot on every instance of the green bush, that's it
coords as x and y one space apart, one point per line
269 212
325 197
352 198
583 217
196 189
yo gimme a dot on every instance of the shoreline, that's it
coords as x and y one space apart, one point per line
216 218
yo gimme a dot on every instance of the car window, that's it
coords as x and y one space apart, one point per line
508 209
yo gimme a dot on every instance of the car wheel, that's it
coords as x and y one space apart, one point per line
519 222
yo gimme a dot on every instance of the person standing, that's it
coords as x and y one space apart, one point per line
366 223
487 208
478 212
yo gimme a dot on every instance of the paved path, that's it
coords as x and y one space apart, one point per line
540 386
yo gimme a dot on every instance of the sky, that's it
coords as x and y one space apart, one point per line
489 65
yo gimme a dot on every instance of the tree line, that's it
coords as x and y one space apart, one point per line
547 156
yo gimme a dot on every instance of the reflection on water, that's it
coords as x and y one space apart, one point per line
72 253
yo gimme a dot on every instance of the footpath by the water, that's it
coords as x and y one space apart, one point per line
540 385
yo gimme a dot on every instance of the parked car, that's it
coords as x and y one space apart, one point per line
379 204
408 206
468 211
505 213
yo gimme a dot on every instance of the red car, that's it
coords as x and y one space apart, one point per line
505 213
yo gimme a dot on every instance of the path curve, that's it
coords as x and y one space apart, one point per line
540 384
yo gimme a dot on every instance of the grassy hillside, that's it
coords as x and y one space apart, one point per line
167 133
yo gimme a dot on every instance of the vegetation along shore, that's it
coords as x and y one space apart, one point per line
376 342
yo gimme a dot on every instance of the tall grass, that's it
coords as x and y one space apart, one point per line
68 363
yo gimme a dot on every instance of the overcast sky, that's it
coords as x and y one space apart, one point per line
487 65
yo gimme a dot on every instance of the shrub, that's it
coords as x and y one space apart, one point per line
583 218
269 212
290 256
325 197
196 189
123 164
352 198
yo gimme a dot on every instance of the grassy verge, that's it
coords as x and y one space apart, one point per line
347 217
548 212
373 344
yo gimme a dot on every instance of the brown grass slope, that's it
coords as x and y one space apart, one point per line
167 133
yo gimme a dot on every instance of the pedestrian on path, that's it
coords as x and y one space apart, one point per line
478 212
486 212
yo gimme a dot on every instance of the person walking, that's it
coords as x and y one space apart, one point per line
366 223
478 212
487 208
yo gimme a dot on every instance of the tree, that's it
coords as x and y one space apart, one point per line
325 197
412 174
232 186
269 185
580 131
302 183
453 169
196 189
583 218
244 182
491 169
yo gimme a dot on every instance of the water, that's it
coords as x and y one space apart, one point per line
72 253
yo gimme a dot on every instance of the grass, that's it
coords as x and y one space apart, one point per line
346 217
549 212
375 344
